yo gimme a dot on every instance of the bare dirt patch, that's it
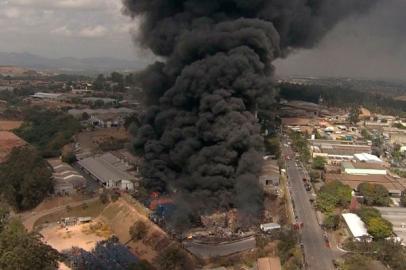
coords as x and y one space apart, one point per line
73 236
89 141
8 125
121 215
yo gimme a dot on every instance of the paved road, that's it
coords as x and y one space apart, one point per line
30 218
212 250
317 255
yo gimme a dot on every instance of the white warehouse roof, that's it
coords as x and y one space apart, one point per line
105 168
356 225
365 157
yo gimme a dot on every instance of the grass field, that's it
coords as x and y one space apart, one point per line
85 210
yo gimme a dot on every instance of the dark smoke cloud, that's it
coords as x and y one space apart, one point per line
370 45
200 137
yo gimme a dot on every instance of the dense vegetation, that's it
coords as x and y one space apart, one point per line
22 250
272 146
374 194
107 255
377 226
25 178
289 251
49 131
342 97
120 82
388 252
300 145
332 195
319 163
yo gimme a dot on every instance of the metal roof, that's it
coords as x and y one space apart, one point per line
105 168
355 224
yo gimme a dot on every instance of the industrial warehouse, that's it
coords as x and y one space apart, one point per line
110 171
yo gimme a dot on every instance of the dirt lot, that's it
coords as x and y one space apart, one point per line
121 215
6 125
74 236
89 140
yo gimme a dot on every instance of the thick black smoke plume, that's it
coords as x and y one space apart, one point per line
200 136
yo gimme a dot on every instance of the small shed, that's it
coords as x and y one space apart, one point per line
84 219
268 227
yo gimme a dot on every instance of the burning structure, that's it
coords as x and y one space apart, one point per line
200 137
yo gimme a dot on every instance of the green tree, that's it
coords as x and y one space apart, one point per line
374 194
85 116
48 130
272 146
25 251
353 116
117 77
104 197
366 213
25 178
379 228
129 79
141 265
356 262
326 202
340 191
99 83
331 222
319 163
69 157
174 258
138 230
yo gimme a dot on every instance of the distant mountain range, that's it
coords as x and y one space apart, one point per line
70 65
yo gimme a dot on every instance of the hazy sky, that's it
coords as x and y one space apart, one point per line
372 45
56 28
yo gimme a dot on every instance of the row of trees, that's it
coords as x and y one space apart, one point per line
388 252
377 226
300 145
342 97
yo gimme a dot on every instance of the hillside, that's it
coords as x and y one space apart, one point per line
69 64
